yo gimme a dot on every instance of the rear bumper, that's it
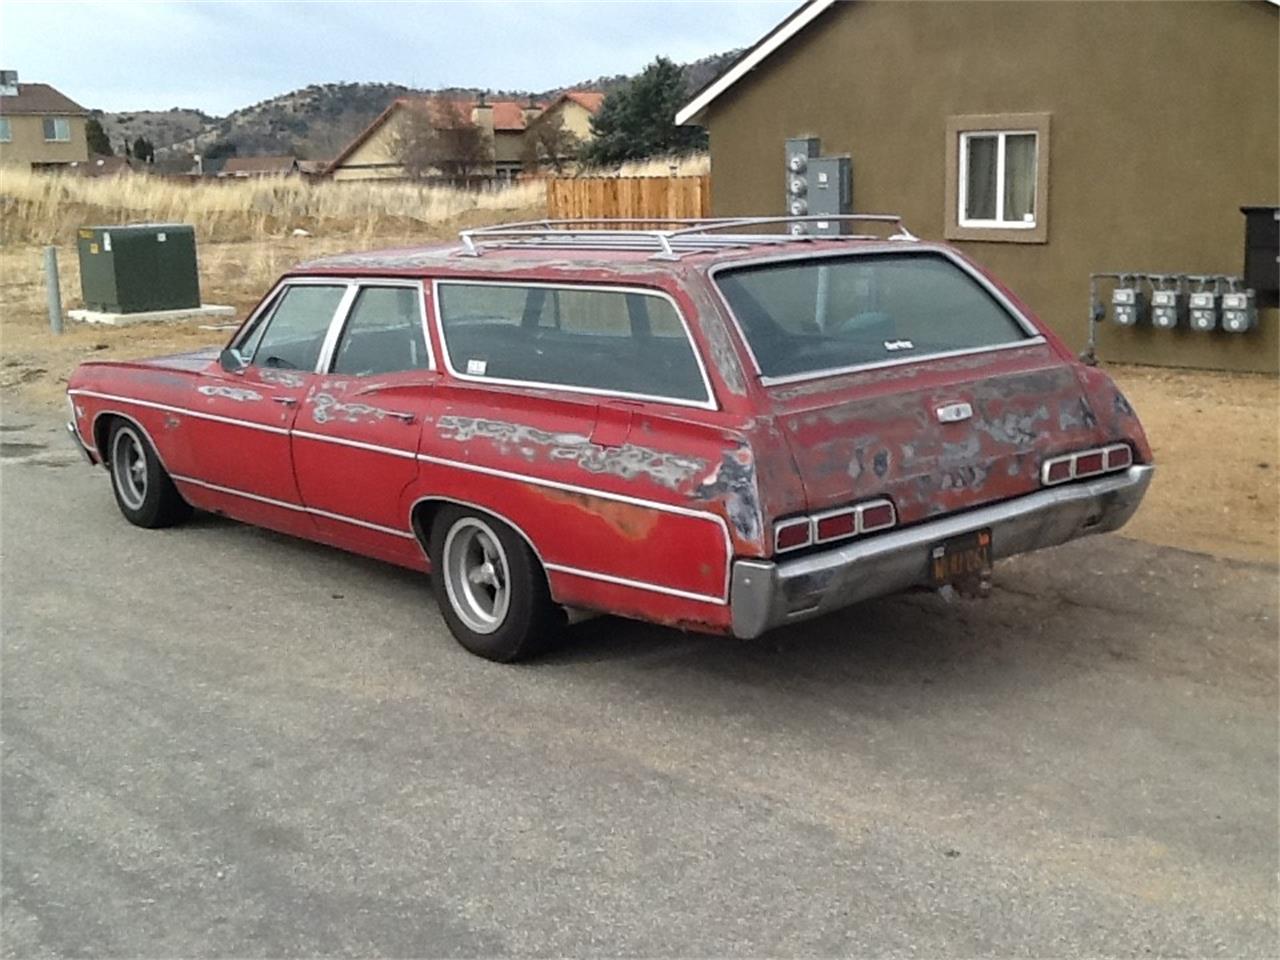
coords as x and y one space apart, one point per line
764 594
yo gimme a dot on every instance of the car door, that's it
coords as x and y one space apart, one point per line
355 439
244 409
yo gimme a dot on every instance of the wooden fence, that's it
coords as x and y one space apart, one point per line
629 197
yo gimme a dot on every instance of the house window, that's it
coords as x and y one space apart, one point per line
6 134
57 129
998 177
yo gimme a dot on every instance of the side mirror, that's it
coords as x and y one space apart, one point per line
231 361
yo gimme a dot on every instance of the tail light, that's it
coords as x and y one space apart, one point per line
830 525
1086 463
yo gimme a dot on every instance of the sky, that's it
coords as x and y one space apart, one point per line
219 56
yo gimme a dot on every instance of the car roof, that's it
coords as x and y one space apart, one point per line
456 259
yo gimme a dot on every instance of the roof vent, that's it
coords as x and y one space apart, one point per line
8 83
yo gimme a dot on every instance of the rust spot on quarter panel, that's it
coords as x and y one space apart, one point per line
631 521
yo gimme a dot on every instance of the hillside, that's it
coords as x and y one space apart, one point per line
316 121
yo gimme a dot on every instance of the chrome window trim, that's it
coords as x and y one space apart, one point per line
1034 336
329 352
707 404
271 302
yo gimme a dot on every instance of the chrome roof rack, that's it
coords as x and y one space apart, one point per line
669 237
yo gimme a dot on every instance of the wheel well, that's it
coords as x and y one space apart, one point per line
101 433
424 515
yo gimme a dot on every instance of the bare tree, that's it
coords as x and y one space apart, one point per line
437 138
548 143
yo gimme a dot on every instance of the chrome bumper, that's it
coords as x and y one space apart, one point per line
764 594
84 451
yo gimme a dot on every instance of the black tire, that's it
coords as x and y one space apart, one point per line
486 625
144 493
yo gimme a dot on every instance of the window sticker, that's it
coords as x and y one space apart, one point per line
476 368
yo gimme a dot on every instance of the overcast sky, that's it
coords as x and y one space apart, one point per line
218 56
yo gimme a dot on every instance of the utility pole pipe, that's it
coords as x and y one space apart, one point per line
52 288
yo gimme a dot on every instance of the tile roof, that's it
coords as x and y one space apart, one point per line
39 98
589 100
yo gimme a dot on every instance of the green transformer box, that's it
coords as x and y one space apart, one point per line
139 267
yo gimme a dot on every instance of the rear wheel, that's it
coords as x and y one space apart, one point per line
490 587
145 494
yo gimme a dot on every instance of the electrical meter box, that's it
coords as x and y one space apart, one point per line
1204 310
1127 306
139 267
830 191
1168 309
1239 314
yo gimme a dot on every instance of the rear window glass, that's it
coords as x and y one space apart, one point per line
617 342
816 315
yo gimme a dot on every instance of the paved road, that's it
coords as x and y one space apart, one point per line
218 741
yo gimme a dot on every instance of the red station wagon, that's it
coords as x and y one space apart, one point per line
718 426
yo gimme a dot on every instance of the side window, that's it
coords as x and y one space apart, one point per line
292 332
383 333
586 338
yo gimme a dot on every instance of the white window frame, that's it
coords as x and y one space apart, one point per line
6 130
59 124
337 323
707 404
962 182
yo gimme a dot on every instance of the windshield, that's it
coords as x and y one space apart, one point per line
811 316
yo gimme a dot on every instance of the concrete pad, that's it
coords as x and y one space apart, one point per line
203 312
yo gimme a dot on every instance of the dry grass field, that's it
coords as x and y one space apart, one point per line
1215 435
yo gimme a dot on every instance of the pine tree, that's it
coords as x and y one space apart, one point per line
99 142
638 121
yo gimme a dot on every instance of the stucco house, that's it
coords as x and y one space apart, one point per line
40 128
504 123
372 154
1048 141
257 167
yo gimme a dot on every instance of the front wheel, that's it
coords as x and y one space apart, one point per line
145 494
490 587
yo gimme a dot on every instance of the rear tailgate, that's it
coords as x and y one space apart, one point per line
879 433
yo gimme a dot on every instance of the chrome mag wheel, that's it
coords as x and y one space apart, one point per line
477 575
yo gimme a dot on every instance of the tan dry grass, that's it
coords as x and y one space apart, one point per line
43 208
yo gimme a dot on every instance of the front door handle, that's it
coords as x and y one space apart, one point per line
401 415
287 401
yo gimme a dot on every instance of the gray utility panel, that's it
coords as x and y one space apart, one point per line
817 185
139 267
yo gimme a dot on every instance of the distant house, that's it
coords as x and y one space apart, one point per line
40 128
575 108
373 154
259 167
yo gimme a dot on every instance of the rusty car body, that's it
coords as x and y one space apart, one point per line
663 424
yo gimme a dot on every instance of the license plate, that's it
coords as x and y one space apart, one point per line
961 558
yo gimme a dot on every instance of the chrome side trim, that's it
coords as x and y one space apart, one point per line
357 444
708 404
169 408
297 508
637 584
769 594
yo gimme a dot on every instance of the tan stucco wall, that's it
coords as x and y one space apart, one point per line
29 146
1165 121
577 119
375 160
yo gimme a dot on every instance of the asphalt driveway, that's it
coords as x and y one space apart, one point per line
218 741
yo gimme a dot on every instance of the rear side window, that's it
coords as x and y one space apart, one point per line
618 342
291 334
812 316
383 333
